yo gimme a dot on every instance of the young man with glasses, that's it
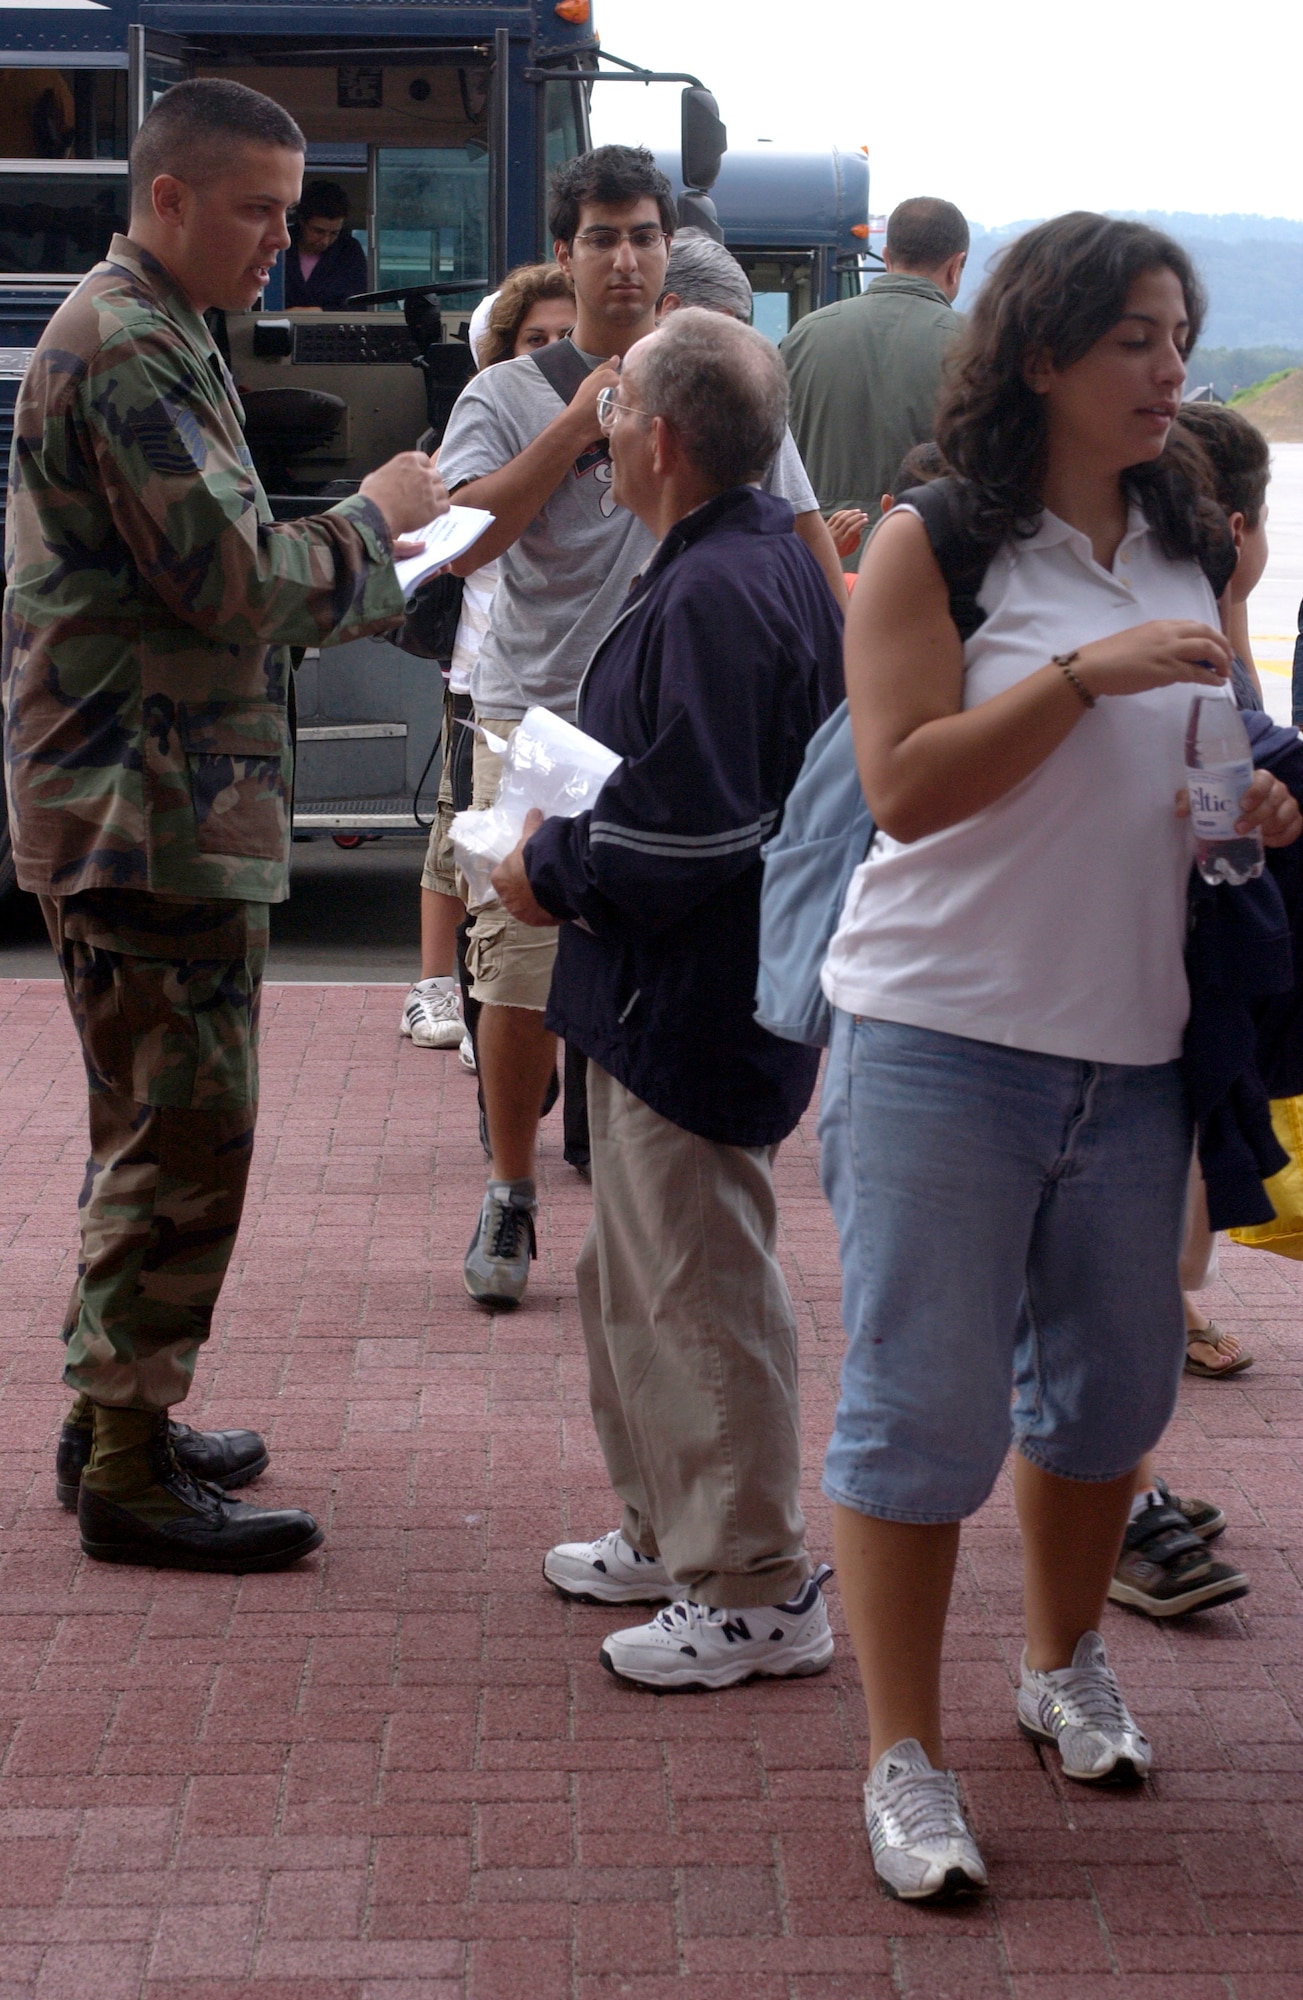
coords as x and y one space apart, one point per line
537 459
534 455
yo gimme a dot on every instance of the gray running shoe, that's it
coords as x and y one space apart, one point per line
497 1264
1080 1708
922 1848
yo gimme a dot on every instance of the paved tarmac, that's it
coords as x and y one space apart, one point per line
1274 606
352 914
399 1772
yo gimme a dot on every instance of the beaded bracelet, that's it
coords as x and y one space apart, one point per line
1063 661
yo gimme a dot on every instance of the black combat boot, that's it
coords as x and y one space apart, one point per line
138 1504
224 1458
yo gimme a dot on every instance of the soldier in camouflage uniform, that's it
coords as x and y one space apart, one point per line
150 603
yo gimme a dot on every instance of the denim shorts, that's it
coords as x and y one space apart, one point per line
1010 1227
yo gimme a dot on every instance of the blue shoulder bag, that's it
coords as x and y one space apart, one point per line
824 836
827 828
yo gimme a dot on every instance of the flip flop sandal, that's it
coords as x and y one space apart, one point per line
1210 1337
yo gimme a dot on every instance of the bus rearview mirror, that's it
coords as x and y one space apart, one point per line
705 139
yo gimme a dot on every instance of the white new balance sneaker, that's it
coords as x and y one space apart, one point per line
922 1848
691 1645
466 1052
1080 1709
607 1571
431 1016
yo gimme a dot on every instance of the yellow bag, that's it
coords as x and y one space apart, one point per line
1285 1189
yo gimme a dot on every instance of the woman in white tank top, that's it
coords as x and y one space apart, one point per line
1004 1128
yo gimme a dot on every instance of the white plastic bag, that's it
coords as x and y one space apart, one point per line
548 764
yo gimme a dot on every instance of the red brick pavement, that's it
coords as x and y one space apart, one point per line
399 1773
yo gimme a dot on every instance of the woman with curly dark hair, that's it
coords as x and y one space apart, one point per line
1005 1133
534 305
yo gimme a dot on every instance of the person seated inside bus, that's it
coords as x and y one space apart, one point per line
325 265
37 117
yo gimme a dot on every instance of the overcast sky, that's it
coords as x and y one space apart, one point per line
1013 109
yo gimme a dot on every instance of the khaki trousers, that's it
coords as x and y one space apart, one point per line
692 1353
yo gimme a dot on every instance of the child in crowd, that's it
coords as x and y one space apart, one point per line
1239 465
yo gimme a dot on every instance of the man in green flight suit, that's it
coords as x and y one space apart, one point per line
864 374
150 601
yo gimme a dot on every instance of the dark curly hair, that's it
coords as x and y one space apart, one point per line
615 174
518 294
1058 289
1238 454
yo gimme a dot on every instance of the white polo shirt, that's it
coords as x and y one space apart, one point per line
1053 920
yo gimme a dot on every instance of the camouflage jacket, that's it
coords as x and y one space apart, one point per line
149 602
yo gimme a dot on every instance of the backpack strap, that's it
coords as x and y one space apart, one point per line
562 367
962 559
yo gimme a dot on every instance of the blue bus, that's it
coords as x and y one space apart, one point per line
798 223
441 122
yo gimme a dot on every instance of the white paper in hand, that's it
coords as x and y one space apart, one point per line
445 539
548 764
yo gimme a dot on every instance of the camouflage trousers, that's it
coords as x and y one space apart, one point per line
164 996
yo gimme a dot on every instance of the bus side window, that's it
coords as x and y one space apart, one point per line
782 285
432 217
54 114
58 225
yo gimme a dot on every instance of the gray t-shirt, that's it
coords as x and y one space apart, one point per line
563 583
788 480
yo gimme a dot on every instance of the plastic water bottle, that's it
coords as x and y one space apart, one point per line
1218 772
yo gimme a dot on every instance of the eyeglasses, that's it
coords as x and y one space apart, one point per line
645 240
607 407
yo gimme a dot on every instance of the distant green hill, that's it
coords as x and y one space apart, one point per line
1232 368
1252 266
1277 407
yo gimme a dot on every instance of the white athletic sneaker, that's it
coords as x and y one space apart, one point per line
1081 1710
691 1645
466 1052
922 1848
431 1016
607 1571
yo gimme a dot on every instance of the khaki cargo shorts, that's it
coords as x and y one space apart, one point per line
510 963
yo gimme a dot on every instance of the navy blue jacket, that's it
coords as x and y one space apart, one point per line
338 274
723 663
1244 1036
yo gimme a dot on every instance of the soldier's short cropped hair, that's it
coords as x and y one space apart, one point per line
701 272
924 233
190 130
616 175
721 387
